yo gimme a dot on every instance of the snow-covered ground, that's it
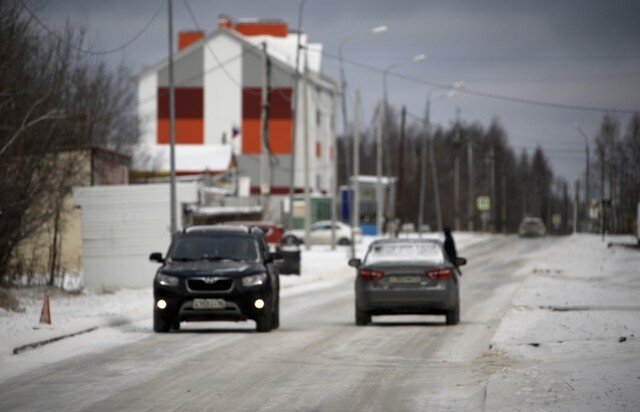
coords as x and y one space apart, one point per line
571 338
73 313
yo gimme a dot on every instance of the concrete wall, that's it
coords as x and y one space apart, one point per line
121 226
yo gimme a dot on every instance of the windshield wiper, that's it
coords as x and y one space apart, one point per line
182 259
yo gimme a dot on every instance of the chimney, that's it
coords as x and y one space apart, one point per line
186 38
225 22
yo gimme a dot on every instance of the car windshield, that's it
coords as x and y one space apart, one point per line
190 248
423 252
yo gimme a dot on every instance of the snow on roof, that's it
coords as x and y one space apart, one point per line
192 158
223 210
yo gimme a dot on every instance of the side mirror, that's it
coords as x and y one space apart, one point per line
461 261
276 257
355 262
156 257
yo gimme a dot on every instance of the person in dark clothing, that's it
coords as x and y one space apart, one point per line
450 246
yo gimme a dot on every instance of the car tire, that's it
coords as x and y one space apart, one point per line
453 316
362 318
291 241
275 321
344 241
160 325
264 320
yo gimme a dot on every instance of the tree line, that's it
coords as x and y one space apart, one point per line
616 172
518 184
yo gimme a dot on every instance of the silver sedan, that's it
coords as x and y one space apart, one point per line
407 276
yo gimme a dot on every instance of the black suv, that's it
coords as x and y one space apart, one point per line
216 273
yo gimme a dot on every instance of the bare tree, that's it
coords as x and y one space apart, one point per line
54 100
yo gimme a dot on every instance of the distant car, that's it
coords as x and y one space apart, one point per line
216 273
320 234
272 232
532 227
407 276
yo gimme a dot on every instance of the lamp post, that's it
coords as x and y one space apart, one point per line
586 147
383 130
343 98
428 145
294 118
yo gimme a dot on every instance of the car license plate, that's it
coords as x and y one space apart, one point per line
404 279
209 304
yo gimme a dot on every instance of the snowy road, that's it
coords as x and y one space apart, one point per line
317 360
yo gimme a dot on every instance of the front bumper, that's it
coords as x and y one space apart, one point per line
239 303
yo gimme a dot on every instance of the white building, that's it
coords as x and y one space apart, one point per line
218 86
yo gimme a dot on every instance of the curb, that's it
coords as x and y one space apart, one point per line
34 345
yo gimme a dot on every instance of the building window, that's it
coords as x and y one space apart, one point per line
318 117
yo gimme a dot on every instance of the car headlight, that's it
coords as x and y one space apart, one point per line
166 280
254 280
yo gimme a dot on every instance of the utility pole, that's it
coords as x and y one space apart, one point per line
399 190
355 208
492 171
265 169
345 119
434 171
294 119
334 181
172 125
456 173
307 196
423 167
470 186
379 194
576 202
587 186
503 178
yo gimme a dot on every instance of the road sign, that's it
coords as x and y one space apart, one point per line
483 203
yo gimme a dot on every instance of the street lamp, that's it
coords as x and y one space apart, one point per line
382 124
343 98
428 145
586 147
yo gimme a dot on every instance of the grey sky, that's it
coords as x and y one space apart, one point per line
571 52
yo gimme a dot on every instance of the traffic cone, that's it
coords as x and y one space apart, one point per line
45 314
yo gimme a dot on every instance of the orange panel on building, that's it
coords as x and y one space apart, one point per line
279 121
277 29
251 136
189 115
188 131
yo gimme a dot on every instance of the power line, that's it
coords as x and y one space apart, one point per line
489 95
87 51
208 46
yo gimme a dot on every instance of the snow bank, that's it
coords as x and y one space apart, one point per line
573 329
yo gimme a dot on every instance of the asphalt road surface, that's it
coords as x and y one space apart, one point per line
317 360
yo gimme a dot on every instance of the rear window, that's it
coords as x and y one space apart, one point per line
424 252
189 248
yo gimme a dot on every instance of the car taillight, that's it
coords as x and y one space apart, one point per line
370 275
439 274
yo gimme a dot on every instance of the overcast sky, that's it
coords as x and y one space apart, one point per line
570 52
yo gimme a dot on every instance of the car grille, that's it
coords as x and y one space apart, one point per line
200 285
